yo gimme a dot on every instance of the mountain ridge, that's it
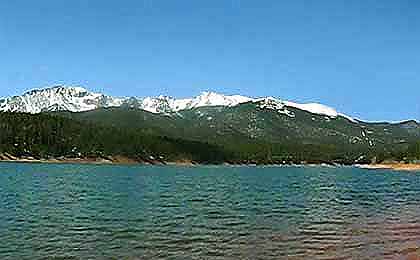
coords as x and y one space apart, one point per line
79 99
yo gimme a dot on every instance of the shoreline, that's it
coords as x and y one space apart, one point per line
120 160
109 160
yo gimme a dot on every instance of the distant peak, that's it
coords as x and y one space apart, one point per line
70 88
164 97
78 89
210 93
57 88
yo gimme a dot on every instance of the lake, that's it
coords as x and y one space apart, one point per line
70 211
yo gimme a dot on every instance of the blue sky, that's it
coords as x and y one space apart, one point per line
361 57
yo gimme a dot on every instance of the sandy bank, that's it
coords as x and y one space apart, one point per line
392 166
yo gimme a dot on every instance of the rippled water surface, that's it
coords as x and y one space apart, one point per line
148 212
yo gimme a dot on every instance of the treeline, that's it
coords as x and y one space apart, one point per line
46 136
297 153
413 151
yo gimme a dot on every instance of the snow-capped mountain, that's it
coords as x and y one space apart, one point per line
77 99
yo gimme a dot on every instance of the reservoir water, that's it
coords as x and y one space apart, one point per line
70 211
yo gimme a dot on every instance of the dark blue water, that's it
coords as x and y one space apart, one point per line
149 212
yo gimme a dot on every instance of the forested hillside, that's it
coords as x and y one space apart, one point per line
254 134
45 136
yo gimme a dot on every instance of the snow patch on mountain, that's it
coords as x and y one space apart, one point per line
215 99
314 108
269 103
274 104
320 109
165 104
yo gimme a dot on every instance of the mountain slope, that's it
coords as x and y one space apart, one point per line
286 131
